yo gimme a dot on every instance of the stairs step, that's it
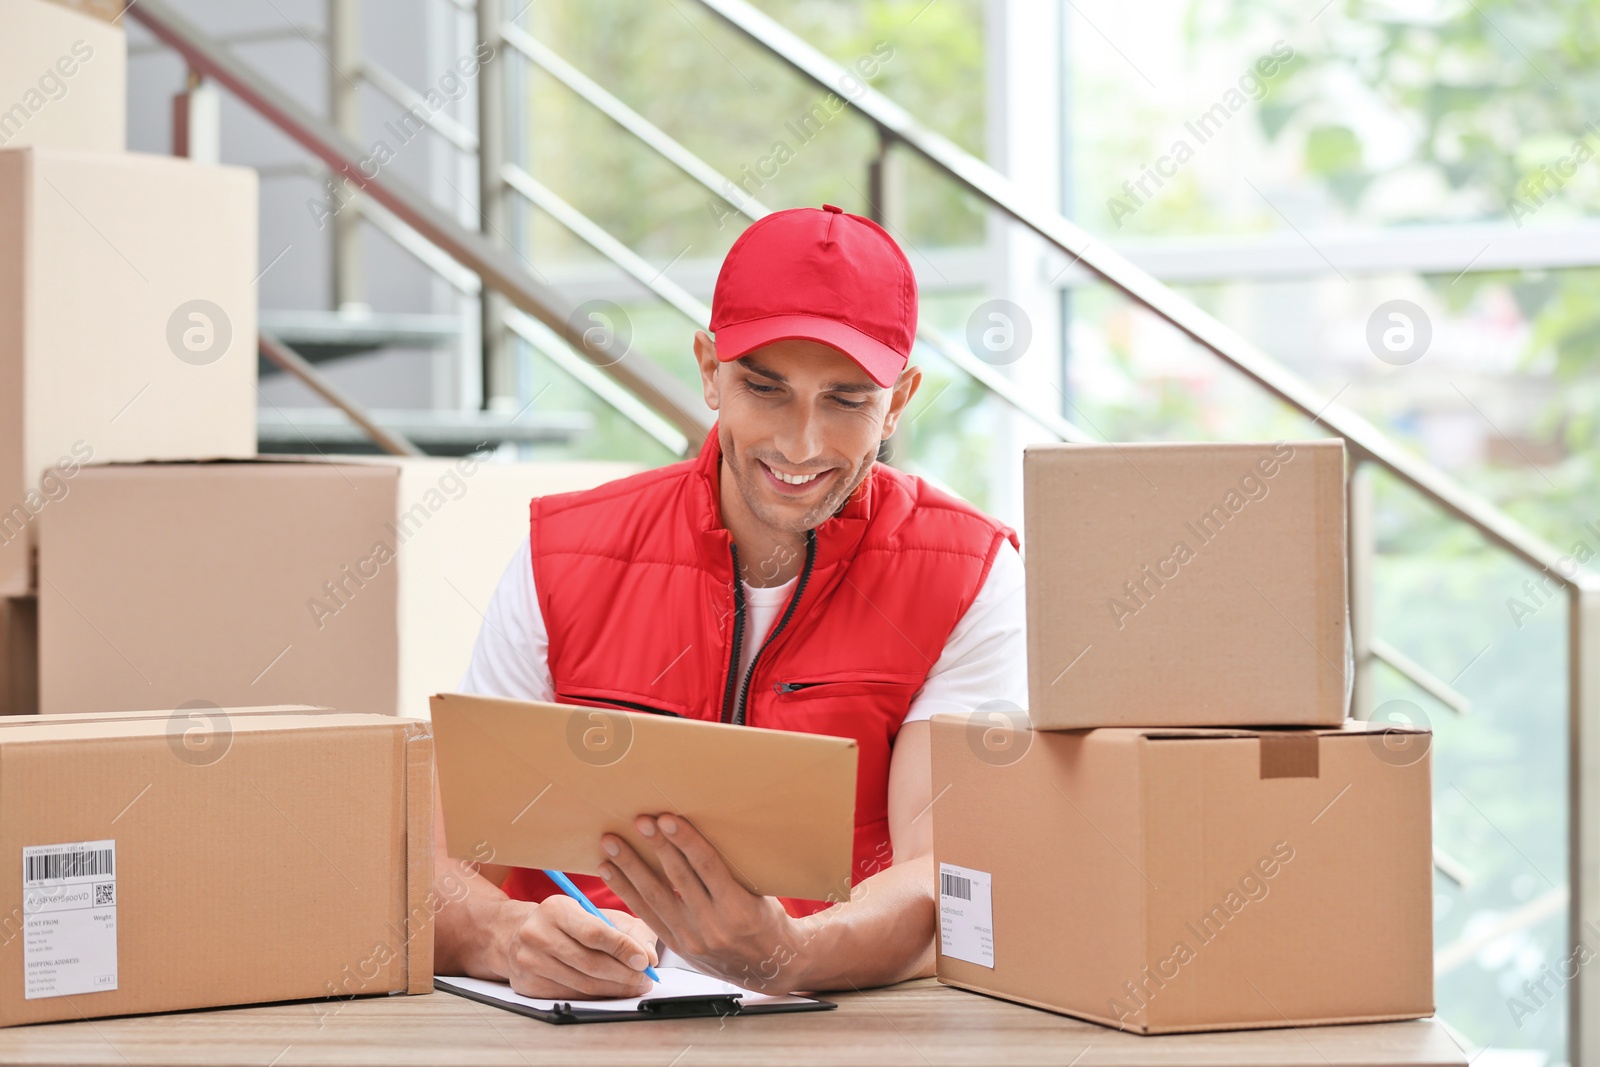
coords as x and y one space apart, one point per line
439 433
325 335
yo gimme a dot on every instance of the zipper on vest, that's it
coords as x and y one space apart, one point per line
630 705
643 707
790 687
738 637
794 602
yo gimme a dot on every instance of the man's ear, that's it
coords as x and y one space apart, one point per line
705 355
905 387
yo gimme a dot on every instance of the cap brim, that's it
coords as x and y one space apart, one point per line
882 363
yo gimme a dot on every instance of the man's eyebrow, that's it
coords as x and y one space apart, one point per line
750 363
765 371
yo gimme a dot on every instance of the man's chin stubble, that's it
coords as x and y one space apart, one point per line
814 516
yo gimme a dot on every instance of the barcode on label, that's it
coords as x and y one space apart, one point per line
80 863
953 885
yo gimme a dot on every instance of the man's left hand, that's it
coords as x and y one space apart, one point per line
700 910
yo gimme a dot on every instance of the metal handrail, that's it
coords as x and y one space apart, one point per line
720 186
524 44
1424 679
293 362
549 345
418 247
439 122
530 330
498 267
598 238
996 190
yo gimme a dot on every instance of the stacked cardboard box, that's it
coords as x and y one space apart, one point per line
116 912
128 333
127 323
63 77
354 582
127 292
1191 836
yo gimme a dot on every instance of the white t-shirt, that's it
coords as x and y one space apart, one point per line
984 660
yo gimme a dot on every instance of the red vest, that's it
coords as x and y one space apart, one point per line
636 582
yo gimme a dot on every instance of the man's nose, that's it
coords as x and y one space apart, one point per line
799 436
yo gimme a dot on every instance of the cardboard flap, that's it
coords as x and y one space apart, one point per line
264 460
1359 727
196 727
163 713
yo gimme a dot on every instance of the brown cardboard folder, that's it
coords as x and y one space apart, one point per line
535 785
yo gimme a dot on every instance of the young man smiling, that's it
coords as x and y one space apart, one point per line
784 579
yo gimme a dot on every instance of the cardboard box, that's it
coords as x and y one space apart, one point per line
1167 880
223 856
357 583
63 76
19 656
1186 584
127 323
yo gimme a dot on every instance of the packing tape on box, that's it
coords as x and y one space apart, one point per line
1289 755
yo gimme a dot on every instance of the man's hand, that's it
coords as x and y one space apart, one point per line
700 910
554 948
883 934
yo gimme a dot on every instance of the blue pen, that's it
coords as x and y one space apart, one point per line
565 885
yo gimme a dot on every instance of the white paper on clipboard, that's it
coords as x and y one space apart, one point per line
675 982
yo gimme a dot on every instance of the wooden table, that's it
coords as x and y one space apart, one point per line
917 1024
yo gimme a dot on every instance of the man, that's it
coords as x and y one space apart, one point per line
781 579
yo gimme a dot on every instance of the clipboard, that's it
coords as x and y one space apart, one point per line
711 998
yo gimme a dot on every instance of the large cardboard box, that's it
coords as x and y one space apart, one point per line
209 856
1163 880
63 77
355 582
127 323
1186 584
19 656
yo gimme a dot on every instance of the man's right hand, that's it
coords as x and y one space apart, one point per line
553 948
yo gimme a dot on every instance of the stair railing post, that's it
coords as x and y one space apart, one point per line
344 111
1583 915
197 121
499 371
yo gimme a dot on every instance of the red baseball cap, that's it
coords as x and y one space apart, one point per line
818 275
